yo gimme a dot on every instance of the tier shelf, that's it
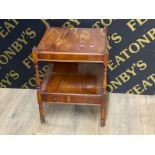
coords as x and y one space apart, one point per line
72 45
73 82
76 78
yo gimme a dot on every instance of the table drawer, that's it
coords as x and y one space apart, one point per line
64 57
69 99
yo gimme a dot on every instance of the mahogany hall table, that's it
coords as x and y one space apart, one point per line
77 70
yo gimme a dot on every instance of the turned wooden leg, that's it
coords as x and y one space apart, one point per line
103 112
41 110
102 115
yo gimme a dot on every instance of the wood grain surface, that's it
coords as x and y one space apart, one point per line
73 45
76 78
83 40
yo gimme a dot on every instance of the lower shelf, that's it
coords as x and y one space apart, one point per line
73 83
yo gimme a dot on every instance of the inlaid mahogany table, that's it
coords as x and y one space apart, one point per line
77 67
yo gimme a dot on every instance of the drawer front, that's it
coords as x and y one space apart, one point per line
70 57
72 99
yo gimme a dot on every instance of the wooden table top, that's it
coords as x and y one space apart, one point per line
74 40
